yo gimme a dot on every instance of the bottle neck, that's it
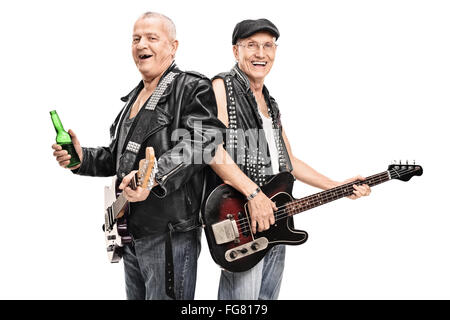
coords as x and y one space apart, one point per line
56 122
62 137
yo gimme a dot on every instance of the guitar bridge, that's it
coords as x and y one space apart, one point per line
226 231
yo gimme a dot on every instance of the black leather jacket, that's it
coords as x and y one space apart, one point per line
177 198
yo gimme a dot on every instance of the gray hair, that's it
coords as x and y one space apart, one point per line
170 26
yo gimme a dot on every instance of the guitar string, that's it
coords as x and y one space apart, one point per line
304 203
294 205
339 189
120 202
281 214
377 178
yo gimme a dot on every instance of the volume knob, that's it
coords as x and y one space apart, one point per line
233 254
255 246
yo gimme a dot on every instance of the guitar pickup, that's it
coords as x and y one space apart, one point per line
225 231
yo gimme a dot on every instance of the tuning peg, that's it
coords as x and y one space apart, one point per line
400 162
406 162
414 162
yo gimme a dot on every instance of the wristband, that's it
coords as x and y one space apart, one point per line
250 197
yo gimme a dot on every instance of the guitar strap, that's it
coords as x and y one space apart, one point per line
139 129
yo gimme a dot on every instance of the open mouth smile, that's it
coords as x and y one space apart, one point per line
145 56
259 63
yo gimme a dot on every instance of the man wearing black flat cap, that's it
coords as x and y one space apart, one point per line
246 108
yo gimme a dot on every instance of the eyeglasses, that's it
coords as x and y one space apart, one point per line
253 46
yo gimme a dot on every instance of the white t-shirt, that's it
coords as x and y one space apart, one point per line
270 137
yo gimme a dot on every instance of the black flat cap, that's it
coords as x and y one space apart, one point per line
246 28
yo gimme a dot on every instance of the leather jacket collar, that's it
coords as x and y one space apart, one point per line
172 67
245 82
241 76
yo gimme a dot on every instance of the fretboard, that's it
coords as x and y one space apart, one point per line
121 201
324 197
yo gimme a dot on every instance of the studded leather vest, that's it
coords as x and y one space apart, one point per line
245 139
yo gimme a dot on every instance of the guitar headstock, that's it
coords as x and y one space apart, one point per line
147 169
404 171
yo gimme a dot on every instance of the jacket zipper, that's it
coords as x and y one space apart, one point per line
171 172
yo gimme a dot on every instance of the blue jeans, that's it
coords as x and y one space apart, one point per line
262 282
144 265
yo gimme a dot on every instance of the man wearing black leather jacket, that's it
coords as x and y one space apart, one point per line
168 215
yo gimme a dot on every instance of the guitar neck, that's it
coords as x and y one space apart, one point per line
120 203
324 197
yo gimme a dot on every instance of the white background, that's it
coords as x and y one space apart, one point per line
359 84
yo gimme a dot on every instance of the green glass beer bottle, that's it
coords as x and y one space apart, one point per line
64 140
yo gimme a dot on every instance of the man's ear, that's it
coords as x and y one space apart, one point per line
174 47
236 52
